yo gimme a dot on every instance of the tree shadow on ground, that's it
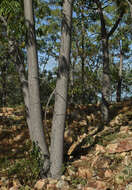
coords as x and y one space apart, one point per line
89 142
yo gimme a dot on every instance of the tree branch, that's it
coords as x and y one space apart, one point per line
130 4
102 19
115 25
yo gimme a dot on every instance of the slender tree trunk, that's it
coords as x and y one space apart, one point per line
58 124
105 80
33 84
83 59
4 83
72 79
24 85
118 93
105 50
83 84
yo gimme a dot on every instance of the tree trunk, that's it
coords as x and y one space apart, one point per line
118 93
105 50
24 85
83 59
58 124
4 82
82 77
105 80
33 84
71 86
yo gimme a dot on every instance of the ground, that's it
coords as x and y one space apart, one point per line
96 157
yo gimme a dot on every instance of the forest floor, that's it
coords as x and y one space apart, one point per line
96 157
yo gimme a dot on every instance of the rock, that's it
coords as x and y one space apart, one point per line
77 163
15 188
119 179
3 188
88 188
94 161
120 187
129 187
127 160
63 177
83 158
123 154
96 185
100 185
52 181
51 187
111 148
100 149
108 173
3 179
84 172
4 109
79 187
68 178
120 146
41 184
116 121
10 109
83 123
62 184
124 129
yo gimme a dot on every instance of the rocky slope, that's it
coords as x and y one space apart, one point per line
97 157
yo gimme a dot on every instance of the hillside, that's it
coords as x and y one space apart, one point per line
96 156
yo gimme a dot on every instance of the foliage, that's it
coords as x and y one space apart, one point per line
27 170
48 27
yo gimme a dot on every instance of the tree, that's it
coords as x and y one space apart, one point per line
105 35
58 124
8 11
36 130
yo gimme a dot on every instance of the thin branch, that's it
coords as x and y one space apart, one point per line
102 19
116 24
130 4
45 116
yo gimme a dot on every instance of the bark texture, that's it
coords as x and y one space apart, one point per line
58 124
34 97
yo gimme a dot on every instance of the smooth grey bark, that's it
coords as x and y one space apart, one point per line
19 64
105 35
38 136
58 123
